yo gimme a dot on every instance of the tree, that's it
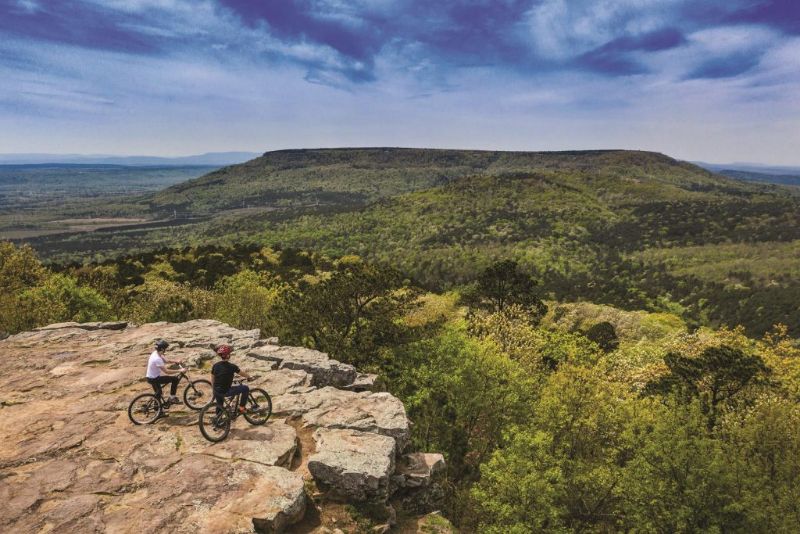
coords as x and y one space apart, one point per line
351 314
604 335
248 300
158 299
502 285
463 395
60 298
539 350
715 377
104 279
680 477
563 471
20 270
763 445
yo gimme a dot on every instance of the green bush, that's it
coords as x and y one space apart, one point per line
158 299
59 298
248 300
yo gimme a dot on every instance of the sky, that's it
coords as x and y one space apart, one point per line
710 80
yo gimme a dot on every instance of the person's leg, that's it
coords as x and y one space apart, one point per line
173 386
241 388
243 397
156 383
219 400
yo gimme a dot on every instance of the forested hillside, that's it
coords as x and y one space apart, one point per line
363 175
636 230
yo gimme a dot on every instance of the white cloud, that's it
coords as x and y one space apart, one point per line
353 13
675 64
560 29
28 6
732 39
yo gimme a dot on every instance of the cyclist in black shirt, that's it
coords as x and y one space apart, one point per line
222 378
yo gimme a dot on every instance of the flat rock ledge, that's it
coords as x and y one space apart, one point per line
328 407
71 459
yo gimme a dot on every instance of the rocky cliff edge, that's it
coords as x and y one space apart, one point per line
72 461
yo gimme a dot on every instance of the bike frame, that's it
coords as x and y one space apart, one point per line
231 403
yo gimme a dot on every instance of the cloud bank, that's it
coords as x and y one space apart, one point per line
704 80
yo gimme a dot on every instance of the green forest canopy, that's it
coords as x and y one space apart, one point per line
585 418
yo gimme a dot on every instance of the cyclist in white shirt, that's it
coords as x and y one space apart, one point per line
158 374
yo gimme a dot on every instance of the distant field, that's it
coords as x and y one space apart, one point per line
32 184
68 226
37 200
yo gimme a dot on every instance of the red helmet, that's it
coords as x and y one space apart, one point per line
224 351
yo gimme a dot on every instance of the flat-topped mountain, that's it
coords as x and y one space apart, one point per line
71 459
362 175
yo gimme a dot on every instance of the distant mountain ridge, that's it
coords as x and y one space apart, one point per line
750 167
763 177
216 159
751 172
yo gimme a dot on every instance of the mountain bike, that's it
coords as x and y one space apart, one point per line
216 417
148 407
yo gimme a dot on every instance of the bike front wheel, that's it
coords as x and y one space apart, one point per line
197 394
145 409
259 407
215 422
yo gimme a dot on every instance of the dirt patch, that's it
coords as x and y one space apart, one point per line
330 515
306 446
98 220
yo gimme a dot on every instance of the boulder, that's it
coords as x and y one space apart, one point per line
417 469
283 381
272 444
206 495
326 372
355 465
273 502
363 382
329 407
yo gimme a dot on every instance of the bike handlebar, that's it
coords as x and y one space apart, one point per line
243 380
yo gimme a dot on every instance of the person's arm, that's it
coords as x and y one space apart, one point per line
170 371
167 362
244 374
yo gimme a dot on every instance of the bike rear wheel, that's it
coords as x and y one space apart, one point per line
215 422
197 394
145 409
259 407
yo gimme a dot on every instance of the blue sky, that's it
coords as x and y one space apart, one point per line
715 80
